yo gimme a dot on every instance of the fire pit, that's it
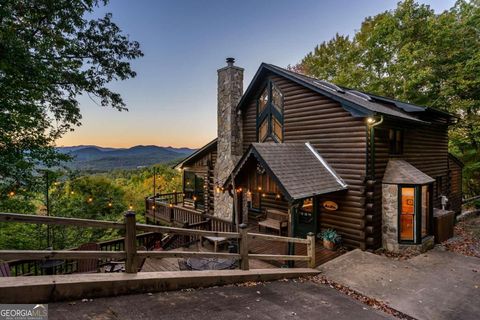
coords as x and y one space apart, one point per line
210 263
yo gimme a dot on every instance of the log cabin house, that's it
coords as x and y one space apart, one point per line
312 155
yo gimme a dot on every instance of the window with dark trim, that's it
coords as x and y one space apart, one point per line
395 140
414 213
270 113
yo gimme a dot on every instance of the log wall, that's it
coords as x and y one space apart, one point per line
338 137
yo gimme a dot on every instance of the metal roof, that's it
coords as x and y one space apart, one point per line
297 168
359 104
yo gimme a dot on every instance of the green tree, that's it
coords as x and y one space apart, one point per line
87 197
415 55
51 52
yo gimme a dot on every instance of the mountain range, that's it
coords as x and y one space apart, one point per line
95 158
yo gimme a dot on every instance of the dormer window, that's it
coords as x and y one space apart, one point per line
270 114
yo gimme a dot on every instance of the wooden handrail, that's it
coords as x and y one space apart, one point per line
87 223
185 254
278 257
193 232
60 254
278 238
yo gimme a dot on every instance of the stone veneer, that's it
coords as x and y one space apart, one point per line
390 223
229 146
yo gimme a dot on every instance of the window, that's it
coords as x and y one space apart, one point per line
263 100
407 214
395 139
277 129
277 98
425 211
270 114
305 211
414 213
263 131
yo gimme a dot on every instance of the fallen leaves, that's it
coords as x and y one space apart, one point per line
467 237
373 303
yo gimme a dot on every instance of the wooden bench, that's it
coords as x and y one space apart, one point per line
274 219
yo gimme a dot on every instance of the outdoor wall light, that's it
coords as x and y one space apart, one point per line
370 120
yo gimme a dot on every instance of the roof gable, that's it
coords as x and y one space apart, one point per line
297 168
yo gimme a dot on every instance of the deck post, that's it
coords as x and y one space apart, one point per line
130 243
244 265
170 212
311 249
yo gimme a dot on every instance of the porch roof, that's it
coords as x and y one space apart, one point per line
401 172
297 168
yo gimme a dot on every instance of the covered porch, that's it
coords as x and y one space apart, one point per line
283 188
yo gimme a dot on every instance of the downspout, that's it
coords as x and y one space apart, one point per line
372 146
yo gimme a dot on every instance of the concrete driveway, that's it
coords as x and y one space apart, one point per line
273 301
434 285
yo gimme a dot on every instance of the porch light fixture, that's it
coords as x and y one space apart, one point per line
277 196
259 188
370 120
217 189
264 195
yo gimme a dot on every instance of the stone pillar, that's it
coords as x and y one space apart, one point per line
229 145
390 217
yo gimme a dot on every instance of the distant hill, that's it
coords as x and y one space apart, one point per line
94 158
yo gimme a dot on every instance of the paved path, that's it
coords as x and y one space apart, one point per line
273 301
434 285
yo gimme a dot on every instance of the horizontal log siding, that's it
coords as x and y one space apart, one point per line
425 147
338 137
204 166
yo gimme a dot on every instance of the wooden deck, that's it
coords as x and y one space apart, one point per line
171 264
259 246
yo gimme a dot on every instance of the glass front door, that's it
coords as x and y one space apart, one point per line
306 219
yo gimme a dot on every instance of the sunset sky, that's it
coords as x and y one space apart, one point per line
172 101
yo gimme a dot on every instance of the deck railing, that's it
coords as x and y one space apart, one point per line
32 267
179 215
130 253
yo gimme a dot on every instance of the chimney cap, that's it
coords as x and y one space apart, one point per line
230 61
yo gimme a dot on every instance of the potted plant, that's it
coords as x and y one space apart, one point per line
330 238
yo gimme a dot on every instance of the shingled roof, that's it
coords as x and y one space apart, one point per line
359 104
401 172
297 168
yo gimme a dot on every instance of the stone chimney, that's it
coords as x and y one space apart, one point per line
229 145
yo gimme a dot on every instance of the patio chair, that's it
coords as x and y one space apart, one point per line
119 266
5 270
88 265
